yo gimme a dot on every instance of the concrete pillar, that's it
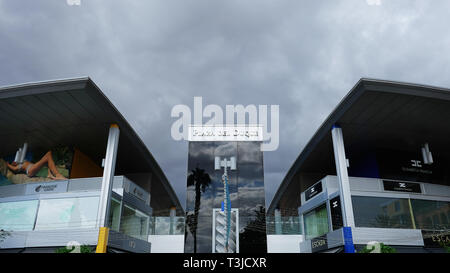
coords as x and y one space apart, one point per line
341 170
108 175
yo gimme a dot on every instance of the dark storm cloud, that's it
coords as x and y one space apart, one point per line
148 56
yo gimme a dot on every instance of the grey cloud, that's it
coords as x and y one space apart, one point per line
148 56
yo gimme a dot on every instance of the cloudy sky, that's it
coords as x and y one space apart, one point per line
149 55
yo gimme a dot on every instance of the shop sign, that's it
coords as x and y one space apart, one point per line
319 243
401 186
313 191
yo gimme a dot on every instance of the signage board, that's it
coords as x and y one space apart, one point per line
46 187
336 213
436 238
225 133
313 191
137 191
319 243
390 185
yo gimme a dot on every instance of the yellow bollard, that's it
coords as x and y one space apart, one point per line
102 240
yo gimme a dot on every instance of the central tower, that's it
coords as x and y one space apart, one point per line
225 201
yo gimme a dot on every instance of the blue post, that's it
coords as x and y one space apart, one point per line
348 240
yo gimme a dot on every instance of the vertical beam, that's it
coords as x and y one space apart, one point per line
107 183
413 221
341 170
278 222
173 212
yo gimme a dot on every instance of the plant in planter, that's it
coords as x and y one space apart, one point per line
383 249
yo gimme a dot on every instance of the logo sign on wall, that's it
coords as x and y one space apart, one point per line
319 244
336 213
436 238
390 185
313 191
46 187
225 133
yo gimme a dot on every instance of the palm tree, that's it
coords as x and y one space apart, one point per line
201 180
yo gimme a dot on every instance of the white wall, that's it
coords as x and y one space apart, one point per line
167 243
284 243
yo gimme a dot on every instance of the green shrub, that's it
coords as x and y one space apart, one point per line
83 249
383 249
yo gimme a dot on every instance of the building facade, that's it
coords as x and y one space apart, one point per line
62 142
375 171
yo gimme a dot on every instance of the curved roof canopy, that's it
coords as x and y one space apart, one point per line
386 114
75 112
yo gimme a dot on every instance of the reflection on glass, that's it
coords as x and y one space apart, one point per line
134 223
67 213
381 212
114 214
428 214
200 180
246 188
253 233
162 225
18 216
316 222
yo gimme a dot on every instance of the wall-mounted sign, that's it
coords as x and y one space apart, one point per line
313 191
436 238
390 185
225 133
136 191
319 243
336 213
404 165
46 187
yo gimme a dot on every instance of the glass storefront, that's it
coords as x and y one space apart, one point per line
18 216
114 214
430 214
67 213
316 222
134 223
381 212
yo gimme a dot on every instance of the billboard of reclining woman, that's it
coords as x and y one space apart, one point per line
27 166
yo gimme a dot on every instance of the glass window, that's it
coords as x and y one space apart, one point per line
316 222
67 213
18 216
429 214
381 212
283 225
134 223
162 225
114 214
179 225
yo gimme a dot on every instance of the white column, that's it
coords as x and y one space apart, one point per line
108 176
341 169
